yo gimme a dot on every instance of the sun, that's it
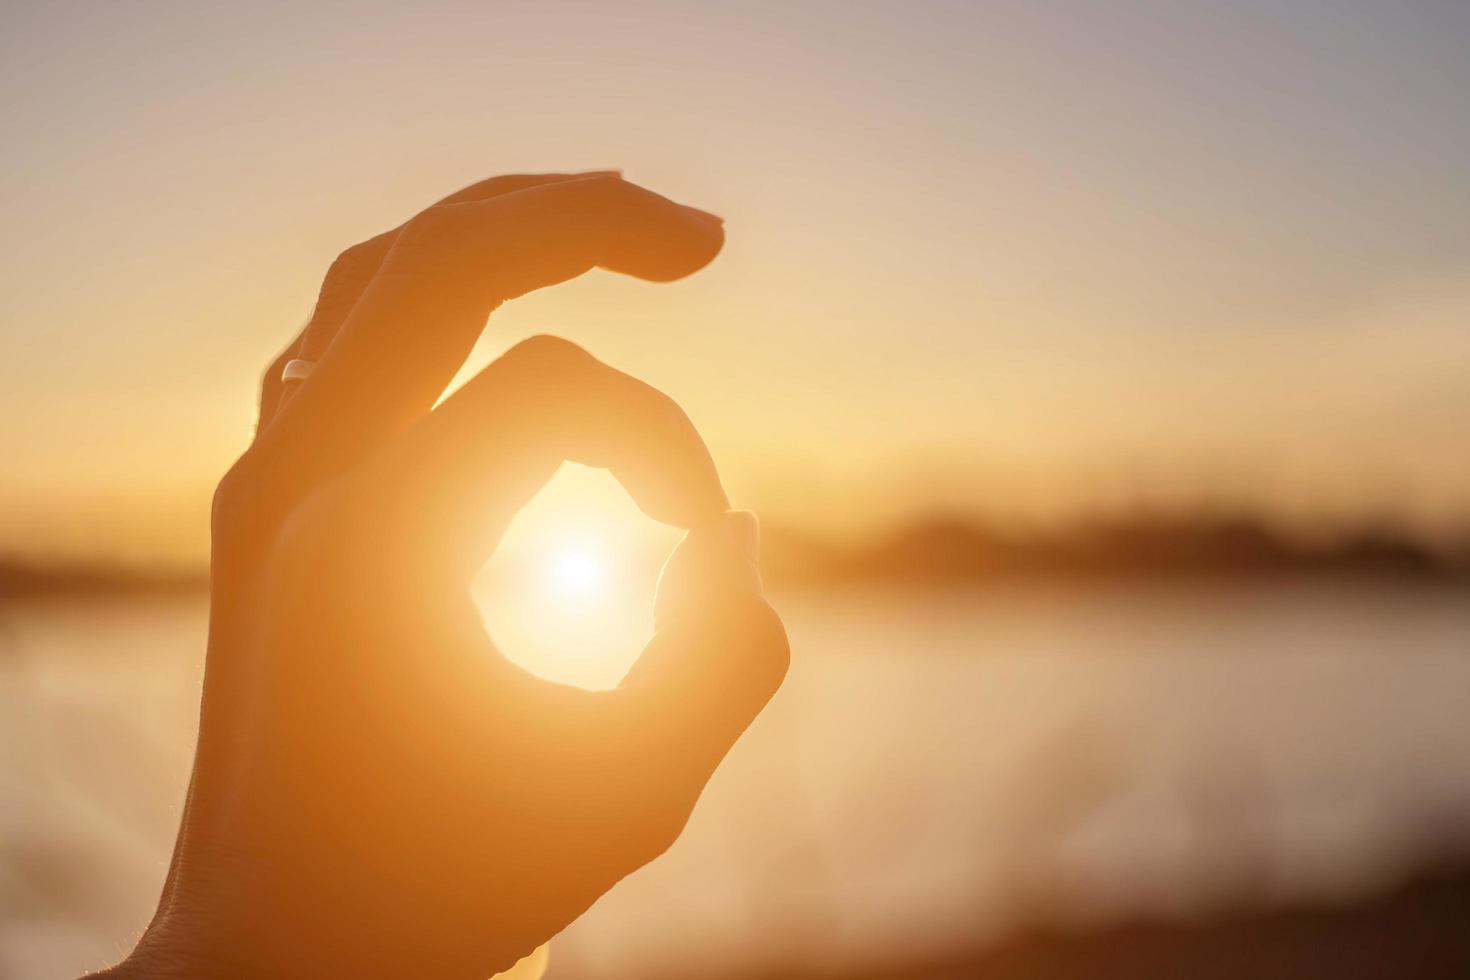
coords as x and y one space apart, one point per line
577 572
568 594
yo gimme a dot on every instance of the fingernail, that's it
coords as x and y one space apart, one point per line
746 530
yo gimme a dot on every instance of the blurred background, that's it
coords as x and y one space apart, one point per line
1099 371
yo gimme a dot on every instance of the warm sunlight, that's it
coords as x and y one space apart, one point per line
568 594
577 574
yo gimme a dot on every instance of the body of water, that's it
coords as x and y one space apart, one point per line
938 765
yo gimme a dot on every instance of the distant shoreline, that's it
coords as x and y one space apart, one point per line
949 550
937 552
38 581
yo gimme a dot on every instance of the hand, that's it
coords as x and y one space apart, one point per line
376 792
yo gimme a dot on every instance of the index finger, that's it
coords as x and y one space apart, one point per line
449 485
418 319
350 273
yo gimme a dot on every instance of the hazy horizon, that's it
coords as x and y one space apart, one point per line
1024 261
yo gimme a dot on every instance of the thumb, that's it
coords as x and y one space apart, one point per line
714 565
719 651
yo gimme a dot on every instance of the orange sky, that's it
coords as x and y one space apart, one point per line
1028 259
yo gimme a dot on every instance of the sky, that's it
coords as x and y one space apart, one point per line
1032 261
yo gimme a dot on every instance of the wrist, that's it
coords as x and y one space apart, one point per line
159 957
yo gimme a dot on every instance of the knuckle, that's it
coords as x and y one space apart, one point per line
358 261
351 257
234 488
670 412
348 274
246 501
245 507
440 242
429 225
604 185
545 352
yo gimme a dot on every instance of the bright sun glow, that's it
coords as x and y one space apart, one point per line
568 595
578 572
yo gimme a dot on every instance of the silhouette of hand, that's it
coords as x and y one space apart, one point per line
376 792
